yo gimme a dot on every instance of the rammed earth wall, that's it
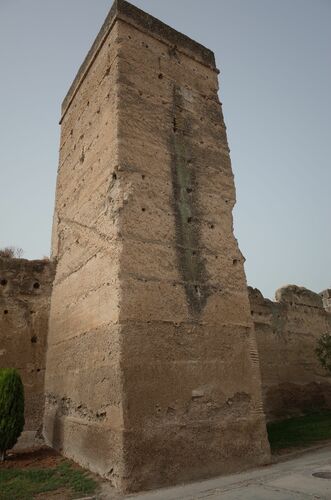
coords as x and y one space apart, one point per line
25 289
152 369
287 331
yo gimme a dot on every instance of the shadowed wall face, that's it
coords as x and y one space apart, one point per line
287 331
152 368
83 411
25 289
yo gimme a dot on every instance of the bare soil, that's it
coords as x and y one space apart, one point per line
42 458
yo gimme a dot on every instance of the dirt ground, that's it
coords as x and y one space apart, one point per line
42 459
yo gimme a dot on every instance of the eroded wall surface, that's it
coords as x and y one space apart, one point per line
326 297
192 405
152 368
25 289
287 332
83 412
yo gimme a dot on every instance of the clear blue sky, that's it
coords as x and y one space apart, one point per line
275 85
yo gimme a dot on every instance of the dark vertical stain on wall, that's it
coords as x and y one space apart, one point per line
185 201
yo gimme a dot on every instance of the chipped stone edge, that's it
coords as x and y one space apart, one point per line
124 11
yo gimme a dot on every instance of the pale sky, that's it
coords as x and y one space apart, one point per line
275 86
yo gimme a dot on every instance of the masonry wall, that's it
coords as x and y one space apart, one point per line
152 368
25 288
293 382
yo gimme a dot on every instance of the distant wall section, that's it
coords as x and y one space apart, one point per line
25 288
326 297
287 331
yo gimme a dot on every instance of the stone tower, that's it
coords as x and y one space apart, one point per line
152 371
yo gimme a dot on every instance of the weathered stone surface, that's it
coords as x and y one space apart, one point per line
287 332
83 380
326 297
25 289
152 368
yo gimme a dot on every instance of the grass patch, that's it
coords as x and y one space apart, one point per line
300 431
20 484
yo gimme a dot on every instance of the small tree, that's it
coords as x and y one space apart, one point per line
11 409
11 252
323 351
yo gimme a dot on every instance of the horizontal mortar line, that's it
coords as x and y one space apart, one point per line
84 333
135 135
112 241
106 183
202 220
226 173
210 139
71 197
165 102
221 149
67 275
190 323
188 423
204 283
89 228
166 185
224 213
86 150
92 423
139 361
79 298
116 327
133 62
200 195
173 245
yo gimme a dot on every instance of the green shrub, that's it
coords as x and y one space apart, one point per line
323 351
11 409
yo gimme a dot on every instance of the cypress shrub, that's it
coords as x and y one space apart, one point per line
11 409
323 351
